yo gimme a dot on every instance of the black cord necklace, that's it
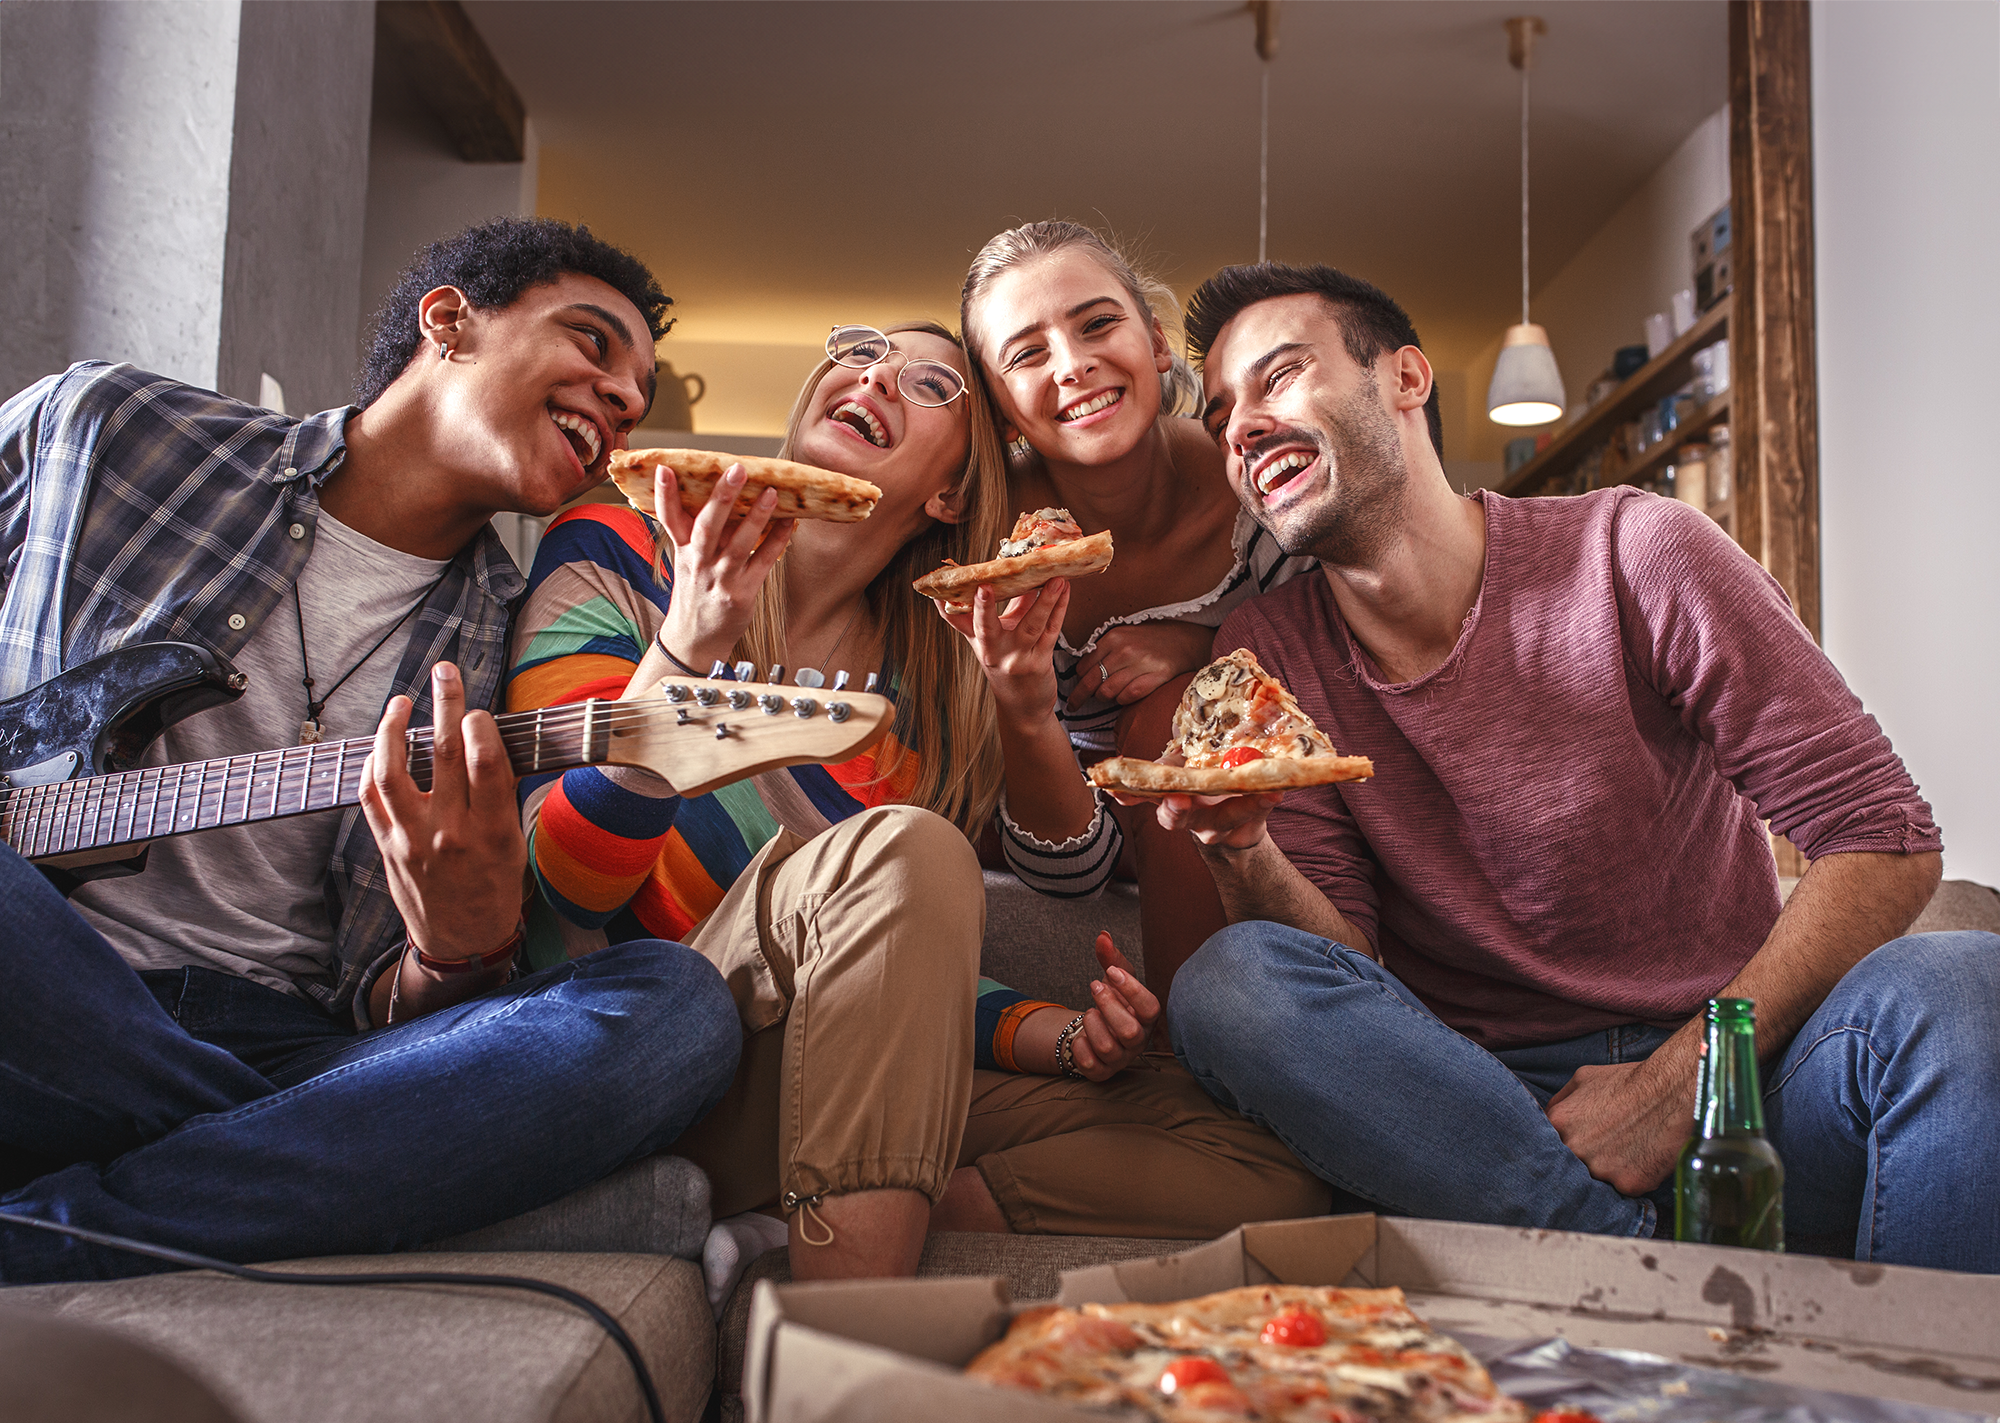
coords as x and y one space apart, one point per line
310 729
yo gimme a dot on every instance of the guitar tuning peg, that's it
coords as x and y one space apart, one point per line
840 680
720 669
810 677
746 671
869 685
778 674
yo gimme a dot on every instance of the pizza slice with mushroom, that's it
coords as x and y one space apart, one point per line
1237 730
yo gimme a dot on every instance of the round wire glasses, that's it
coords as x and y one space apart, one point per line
923 382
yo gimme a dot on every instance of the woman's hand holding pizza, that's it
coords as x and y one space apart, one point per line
720 564
1129 663
1015 646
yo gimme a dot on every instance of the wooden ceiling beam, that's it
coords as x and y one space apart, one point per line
456 76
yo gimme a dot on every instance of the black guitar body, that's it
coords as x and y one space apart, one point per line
101 717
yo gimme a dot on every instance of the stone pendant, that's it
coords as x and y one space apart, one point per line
308 732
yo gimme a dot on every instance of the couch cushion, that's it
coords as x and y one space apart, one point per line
655 1206
296 1354
60 1371
1032 1265
1960 904
1041 946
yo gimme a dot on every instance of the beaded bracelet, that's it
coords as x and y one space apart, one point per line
1066 1052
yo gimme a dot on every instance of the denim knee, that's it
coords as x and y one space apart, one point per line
1217 1003
685 1036
1945 987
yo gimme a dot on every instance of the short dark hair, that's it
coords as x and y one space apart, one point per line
493 263
1370 320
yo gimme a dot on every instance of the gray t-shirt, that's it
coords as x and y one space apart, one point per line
251 899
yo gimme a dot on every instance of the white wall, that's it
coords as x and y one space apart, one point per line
1906 126
1629 269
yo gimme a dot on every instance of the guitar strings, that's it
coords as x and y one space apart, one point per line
27 812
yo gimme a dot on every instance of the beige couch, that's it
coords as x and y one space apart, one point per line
202 1348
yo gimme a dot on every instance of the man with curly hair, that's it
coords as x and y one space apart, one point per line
306 1036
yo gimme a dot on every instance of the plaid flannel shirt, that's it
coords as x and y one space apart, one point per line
134 508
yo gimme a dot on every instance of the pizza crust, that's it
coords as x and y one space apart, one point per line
1074 558
804 491
1273 773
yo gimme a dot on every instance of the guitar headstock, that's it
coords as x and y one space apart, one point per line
705 732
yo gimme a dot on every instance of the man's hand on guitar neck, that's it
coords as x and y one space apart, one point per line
454 854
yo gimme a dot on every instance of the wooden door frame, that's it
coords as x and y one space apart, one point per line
1774 424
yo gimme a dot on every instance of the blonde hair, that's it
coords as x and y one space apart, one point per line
1180 392
944 708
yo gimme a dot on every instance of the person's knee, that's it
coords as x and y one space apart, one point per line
1945 986
681 1025
927 863
1216 1004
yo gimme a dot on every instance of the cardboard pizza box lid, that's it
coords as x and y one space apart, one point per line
890 1349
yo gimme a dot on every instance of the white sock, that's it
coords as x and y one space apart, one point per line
731 1245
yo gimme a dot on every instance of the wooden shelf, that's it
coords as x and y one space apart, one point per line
1693 430
1668 371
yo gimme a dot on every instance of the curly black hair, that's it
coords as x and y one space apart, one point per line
493 263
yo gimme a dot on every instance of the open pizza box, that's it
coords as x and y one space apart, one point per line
892 1349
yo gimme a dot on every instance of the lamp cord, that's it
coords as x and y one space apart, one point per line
1264 164
1524 192
192 1261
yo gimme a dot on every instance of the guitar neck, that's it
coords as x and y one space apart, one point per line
132 807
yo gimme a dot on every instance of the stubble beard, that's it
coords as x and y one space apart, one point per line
1368 485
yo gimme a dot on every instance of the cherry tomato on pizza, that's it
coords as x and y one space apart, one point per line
1241 756
1300 1328
1192 1369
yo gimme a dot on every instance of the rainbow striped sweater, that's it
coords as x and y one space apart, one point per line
614 851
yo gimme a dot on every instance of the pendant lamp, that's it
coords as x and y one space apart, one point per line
1527 388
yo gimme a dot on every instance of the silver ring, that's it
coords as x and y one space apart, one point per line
1103 674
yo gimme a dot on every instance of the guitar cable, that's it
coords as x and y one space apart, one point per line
192 1261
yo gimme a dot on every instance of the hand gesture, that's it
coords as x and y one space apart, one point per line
1116 1027
454 854
720 563
1128 663
1015 645
1225 822
1625 1122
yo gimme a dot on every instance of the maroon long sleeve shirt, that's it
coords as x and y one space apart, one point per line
1564 829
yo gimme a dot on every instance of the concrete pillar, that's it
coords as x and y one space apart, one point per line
185 188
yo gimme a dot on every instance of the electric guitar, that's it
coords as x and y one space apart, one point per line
73 801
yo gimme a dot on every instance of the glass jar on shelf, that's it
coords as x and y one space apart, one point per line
1721 465
1691 475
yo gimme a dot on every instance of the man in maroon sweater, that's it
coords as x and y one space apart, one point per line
1470 988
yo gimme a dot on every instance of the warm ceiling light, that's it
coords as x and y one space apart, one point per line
1527 388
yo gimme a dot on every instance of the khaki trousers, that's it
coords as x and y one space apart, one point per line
853 958
1148 1153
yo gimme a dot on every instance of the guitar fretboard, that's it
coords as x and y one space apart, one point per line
129 807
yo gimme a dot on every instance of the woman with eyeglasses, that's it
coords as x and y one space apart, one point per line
1068 340
843 903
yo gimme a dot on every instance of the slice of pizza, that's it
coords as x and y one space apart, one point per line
804 491
1236 731
1279 1352
1045 544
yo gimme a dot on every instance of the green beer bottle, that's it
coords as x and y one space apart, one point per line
1729 1188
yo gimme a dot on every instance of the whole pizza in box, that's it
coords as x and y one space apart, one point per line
1236 731
1279 1352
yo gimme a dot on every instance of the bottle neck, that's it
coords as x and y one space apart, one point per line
1732 1101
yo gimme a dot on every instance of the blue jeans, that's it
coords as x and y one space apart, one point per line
199 1110
1885 1107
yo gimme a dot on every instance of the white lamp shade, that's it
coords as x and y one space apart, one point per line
1527 388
